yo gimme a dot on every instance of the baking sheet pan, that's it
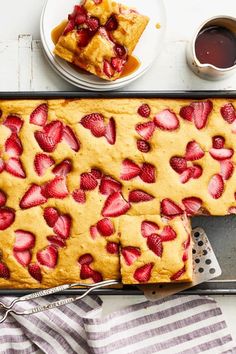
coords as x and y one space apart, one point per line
221 231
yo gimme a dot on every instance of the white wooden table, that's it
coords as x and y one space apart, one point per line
23 67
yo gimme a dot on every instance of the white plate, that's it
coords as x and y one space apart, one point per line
146 50
81 83
55 61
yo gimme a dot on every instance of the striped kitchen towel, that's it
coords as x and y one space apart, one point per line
178 324
57 331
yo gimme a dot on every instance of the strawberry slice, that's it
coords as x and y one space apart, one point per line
145 130
56 241
15 168
86 258
154 243
179 164
42 162
14 123
138 196
221 154
186 175
62 226
35 271
170 208
143 274
69 27
78 10
143 146
54 130
118 64
226 169
112 23
25 240
96 173
3 198
144 110
51 216
93 231
232 210
218 142
187 242
80 19
110 132
112 247
109 186
86 272
40 115
148 228
193 151
97 277
92 23
24 257
63 168
2 165
87 181
166 120
32 197
216 186
108 69
120 50
201 111
45 142
129 170
186 113
70 138
72 16
115 205
167 234
7 217
130 254
95 123
4 271
196 171
105 227
50 137
148 173
48 256
192 205
79 196
13 146
82 37
228 112
56 188
178 274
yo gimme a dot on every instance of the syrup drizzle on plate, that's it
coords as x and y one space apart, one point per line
58 30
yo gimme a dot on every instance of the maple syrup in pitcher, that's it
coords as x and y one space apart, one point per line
216 45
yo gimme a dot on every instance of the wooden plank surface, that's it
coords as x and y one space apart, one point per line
31 71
